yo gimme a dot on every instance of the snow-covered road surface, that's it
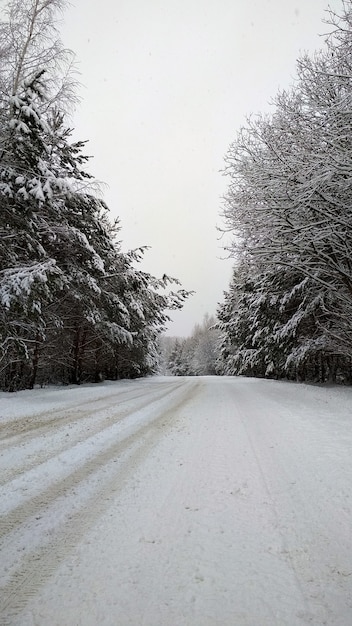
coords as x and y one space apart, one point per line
176 502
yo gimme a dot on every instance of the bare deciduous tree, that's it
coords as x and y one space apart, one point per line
30 42
289 206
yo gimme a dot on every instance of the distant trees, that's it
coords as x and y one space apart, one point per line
289 204
73 305
195 355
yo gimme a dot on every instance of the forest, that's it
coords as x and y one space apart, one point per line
74 307
288 210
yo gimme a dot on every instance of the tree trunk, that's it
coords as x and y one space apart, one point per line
35 362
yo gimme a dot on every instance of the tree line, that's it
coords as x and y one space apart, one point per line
196 355
74 306
288 309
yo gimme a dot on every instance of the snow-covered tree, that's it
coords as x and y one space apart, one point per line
29 42
177 365
73 305
196 355
272 324
289 207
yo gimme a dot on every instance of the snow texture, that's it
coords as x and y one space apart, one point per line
190 501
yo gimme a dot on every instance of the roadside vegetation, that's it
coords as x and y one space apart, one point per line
288 309
74 307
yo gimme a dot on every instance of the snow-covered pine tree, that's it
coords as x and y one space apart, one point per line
73 306
176 364
28 275
29 42
273 325
86 299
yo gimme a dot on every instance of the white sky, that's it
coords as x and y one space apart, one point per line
165 86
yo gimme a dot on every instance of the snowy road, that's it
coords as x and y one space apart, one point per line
176 502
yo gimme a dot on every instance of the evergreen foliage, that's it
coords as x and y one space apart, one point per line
73 305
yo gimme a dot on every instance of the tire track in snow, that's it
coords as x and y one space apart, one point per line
37 566
309 541
29 427
86 466
276 514
53 428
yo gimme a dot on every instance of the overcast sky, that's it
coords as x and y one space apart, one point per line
165 86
